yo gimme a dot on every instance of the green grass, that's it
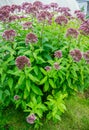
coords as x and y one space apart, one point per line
75 118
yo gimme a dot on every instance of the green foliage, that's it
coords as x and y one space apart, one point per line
34 88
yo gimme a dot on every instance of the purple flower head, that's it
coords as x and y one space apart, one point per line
56 66
86 56
27 25
84 28
38 4
77 11
62 20
15 8
54 5
46 7
45 15
32 38
76 55
67 14
22 61
6 7
13 18
16 97
80 16
47 68
32 10
63 9
58 54
31 119
72 32
25 5
4 14
9 35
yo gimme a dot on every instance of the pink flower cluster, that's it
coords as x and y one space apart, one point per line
15 8
32 38
27 25
25 5
13 18
56 66
46 7
71 32
76 55
9 35
84 28
22 61
31 118
61 20
63 9
54 5
47 68
38 4
45 16
80 15
86 56
31 9
16 97
4 13
58 54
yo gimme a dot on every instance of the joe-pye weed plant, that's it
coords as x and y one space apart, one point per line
44 58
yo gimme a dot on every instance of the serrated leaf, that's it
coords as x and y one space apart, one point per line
26 93
33 78
36 70
43 71
40 60
3 77
21 79
7 92
43 80
58 117
13 73
28 85
46 86
36 90
10 83
1 92
52 84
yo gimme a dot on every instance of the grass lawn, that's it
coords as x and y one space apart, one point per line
75 118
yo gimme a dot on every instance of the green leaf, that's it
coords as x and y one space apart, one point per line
13 73
3 77
52 83
43 71
40 60
1 92
26 93
69 82
36 90
35 55
28 85
47 56
46 86
33 78
58 117
36 70
21 79
27 52
7 93
10 83
43 80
